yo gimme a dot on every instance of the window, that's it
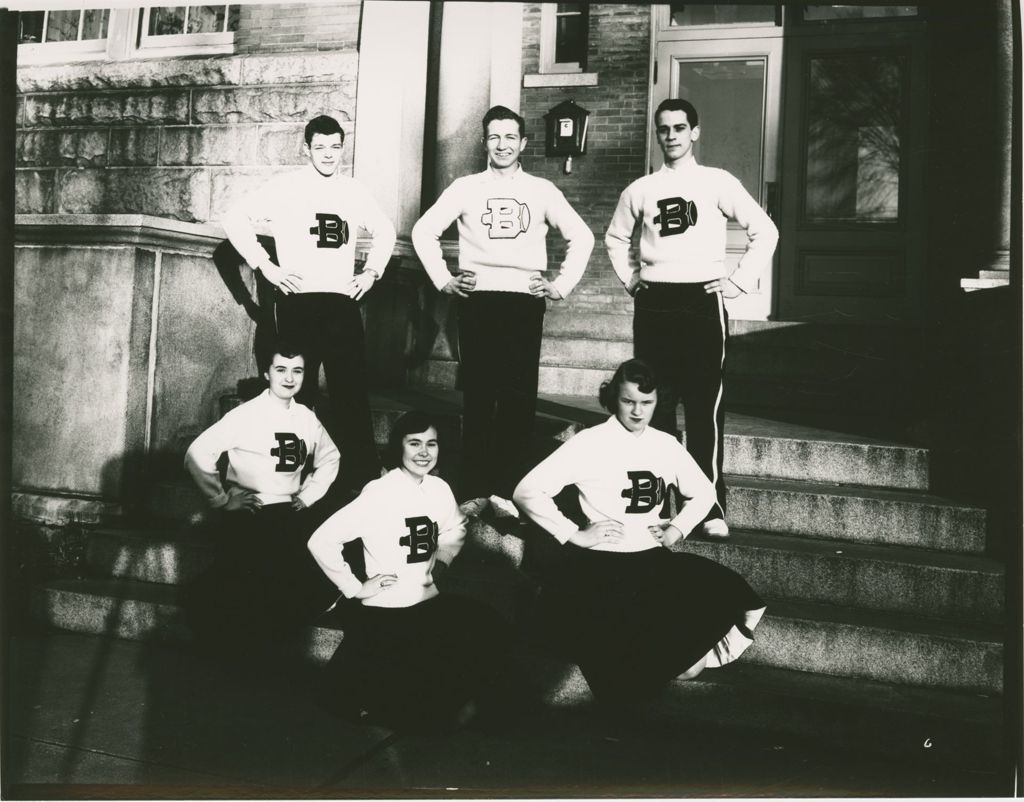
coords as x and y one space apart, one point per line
564 36
188 27
840 13
691 15
55 36
70 33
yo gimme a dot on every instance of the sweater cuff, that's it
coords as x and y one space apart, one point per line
350 587
220 500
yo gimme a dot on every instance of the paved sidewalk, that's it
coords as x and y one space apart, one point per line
95 717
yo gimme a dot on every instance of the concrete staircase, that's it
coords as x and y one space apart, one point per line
885 622
781 366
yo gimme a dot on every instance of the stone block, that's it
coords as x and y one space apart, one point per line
326 67
140 73
85 147
282 144
179 193
227 185
35 191
209 145
108 108
273 104
71 367
195 307
131 147
19 111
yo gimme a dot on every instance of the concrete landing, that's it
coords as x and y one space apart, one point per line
101 718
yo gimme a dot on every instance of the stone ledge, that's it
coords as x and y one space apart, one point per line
141 230
235 70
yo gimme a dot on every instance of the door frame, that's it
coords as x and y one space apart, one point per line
722 43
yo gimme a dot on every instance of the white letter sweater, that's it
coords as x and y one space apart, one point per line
683 240
267 444
315 222
621 477
503 224
405 526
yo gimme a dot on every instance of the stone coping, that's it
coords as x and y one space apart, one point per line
228 70
151 231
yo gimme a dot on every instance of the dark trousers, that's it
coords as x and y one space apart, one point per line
328 328
681 331
499 352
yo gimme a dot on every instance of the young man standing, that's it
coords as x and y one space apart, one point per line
680 326
315 214
503 217
263 584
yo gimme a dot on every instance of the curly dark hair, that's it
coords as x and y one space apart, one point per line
632 370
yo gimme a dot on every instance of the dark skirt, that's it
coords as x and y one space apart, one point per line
634 621
416 667
264 587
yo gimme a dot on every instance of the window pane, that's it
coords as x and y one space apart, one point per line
206 19
822 13
233 18
570 39
729 96
30 27
166 20
726 14
94 23
62 26
853 138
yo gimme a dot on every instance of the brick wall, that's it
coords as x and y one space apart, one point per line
181 137
619 52
298 26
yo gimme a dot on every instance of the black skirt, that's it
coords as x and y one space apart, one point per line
263 589
415 667
634 621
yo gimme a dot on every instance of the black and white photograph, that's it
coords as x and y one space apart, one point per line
485 399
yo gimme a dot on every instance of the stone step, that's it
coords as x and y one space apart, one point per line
812 638
952 587
754 445
759 391
885 647
881 578
874 515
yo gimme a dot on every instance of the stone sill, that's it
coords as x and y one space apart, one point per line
537 80
156 72
975 284
146 231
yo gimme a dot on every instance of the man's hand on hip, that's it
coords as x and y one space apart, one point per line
724 286
542 288
461 284
360 284
286 282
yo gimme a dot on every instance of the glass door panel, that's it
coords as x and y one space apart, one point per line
729 97
735 85
853 131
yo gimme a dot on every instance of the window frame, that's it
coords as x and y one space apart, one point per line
126 39
548 36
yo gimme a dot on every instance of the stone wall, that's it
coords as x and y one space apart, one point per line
176 138
619 53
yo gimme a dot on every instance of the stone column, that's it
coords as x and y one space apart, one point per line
390 106
481 55
999 257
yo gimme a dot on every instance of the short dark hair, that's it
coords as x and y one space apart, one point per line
678 104
322 125
412 422
632 370
503 113
269 350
